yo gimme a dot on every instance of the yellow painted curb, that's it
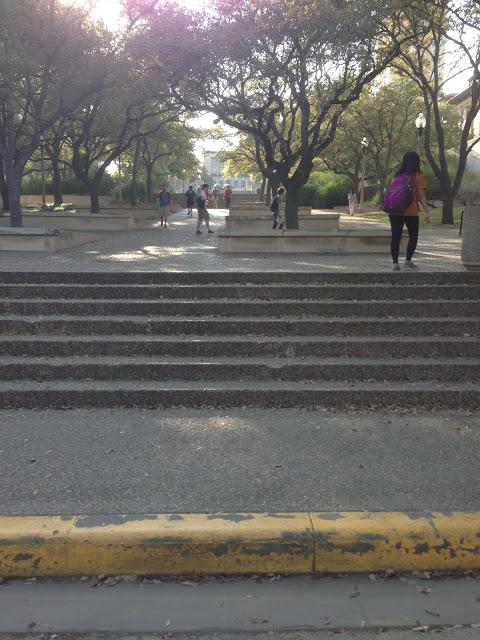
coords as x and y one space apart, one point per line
238 543
403 541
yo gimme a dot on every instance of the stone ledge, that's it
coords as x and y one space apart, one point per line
81 222
314 222
41 240
306 241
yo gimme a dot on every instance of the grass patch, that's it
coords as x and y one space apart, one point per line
435 218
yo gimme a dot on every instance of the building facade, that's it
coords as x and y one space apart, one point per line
214 168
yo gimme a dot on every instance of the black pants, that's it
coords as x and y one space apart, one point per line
397 222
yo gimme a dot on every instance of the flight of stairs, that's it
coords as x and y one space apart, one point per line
164 339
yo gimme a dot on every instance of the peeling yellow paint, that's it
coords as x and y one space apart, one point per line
238 543
365 542
198 543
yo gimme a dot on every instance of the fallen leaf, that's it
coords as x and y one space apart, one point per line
432 613
422 629
259 621
425 590
475 625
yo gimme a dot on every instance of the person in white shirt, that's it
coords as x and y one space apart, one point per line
203 215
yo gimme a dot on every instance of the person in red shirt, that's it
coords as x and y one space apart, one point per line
227 194
410 217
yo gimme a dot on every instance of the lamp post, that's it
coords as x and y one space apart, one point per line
364 145
420 123
42 163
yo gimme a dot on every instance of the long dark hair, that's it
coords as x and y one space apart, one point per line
410 163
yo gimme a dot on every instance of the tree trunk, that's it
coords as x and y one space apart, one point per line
447 208
14 182
291 208
94 201
57 177
3 187
268 191
134 185
57 184
149 180
262 188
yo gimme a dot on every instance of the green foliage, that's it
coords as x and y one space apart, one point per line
325 190
70 185
141 191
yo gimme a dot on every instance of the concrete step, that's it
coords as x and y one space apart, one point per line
352 292
261 369
124 325
220 394
233 308
211 346
236 277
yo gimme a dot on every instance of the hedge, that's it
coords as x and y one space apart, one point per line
325 190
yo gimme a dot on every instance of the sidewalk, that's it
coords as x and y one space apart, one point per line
177 248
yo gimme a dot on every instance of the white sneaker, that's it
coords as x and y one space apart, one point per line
396 266
410 265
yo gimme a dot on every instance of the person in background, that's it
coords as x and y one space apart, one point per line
276 209
203 215
164 200
227 194
215 195
352 201
410 217
190 195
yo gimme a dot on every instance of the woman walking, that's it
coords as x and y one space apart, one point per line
408 187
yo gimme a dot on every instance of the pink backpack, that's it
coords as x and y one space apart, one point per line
398 195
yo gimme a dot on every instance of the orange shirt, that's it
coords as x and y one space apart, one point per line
419 183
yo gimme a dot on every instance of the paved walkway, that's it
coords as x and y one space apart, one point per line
184 460
177 248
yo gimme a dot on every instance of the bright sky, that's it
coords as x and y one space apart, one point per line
110 11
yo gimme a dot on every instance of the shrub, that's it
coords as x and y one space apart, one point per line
32 185
325 190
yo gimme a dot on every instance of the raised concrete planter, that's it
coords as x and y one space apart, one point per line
471 238
80 221
41 240
273 241
313 222
258 208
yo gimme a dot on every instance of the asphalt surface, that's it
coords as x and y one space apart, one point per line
147 461
244 606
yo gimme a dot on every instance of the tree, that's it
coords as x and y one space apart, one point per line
175 142
242 159
282 71
47 58
3 187
425 63
385 116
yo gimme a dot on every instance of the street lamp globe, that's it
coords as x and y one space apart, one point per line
364 143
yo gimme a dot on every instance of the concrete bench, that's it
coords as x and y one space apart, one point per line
317 222
80 221
41 240
304 241
259 208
